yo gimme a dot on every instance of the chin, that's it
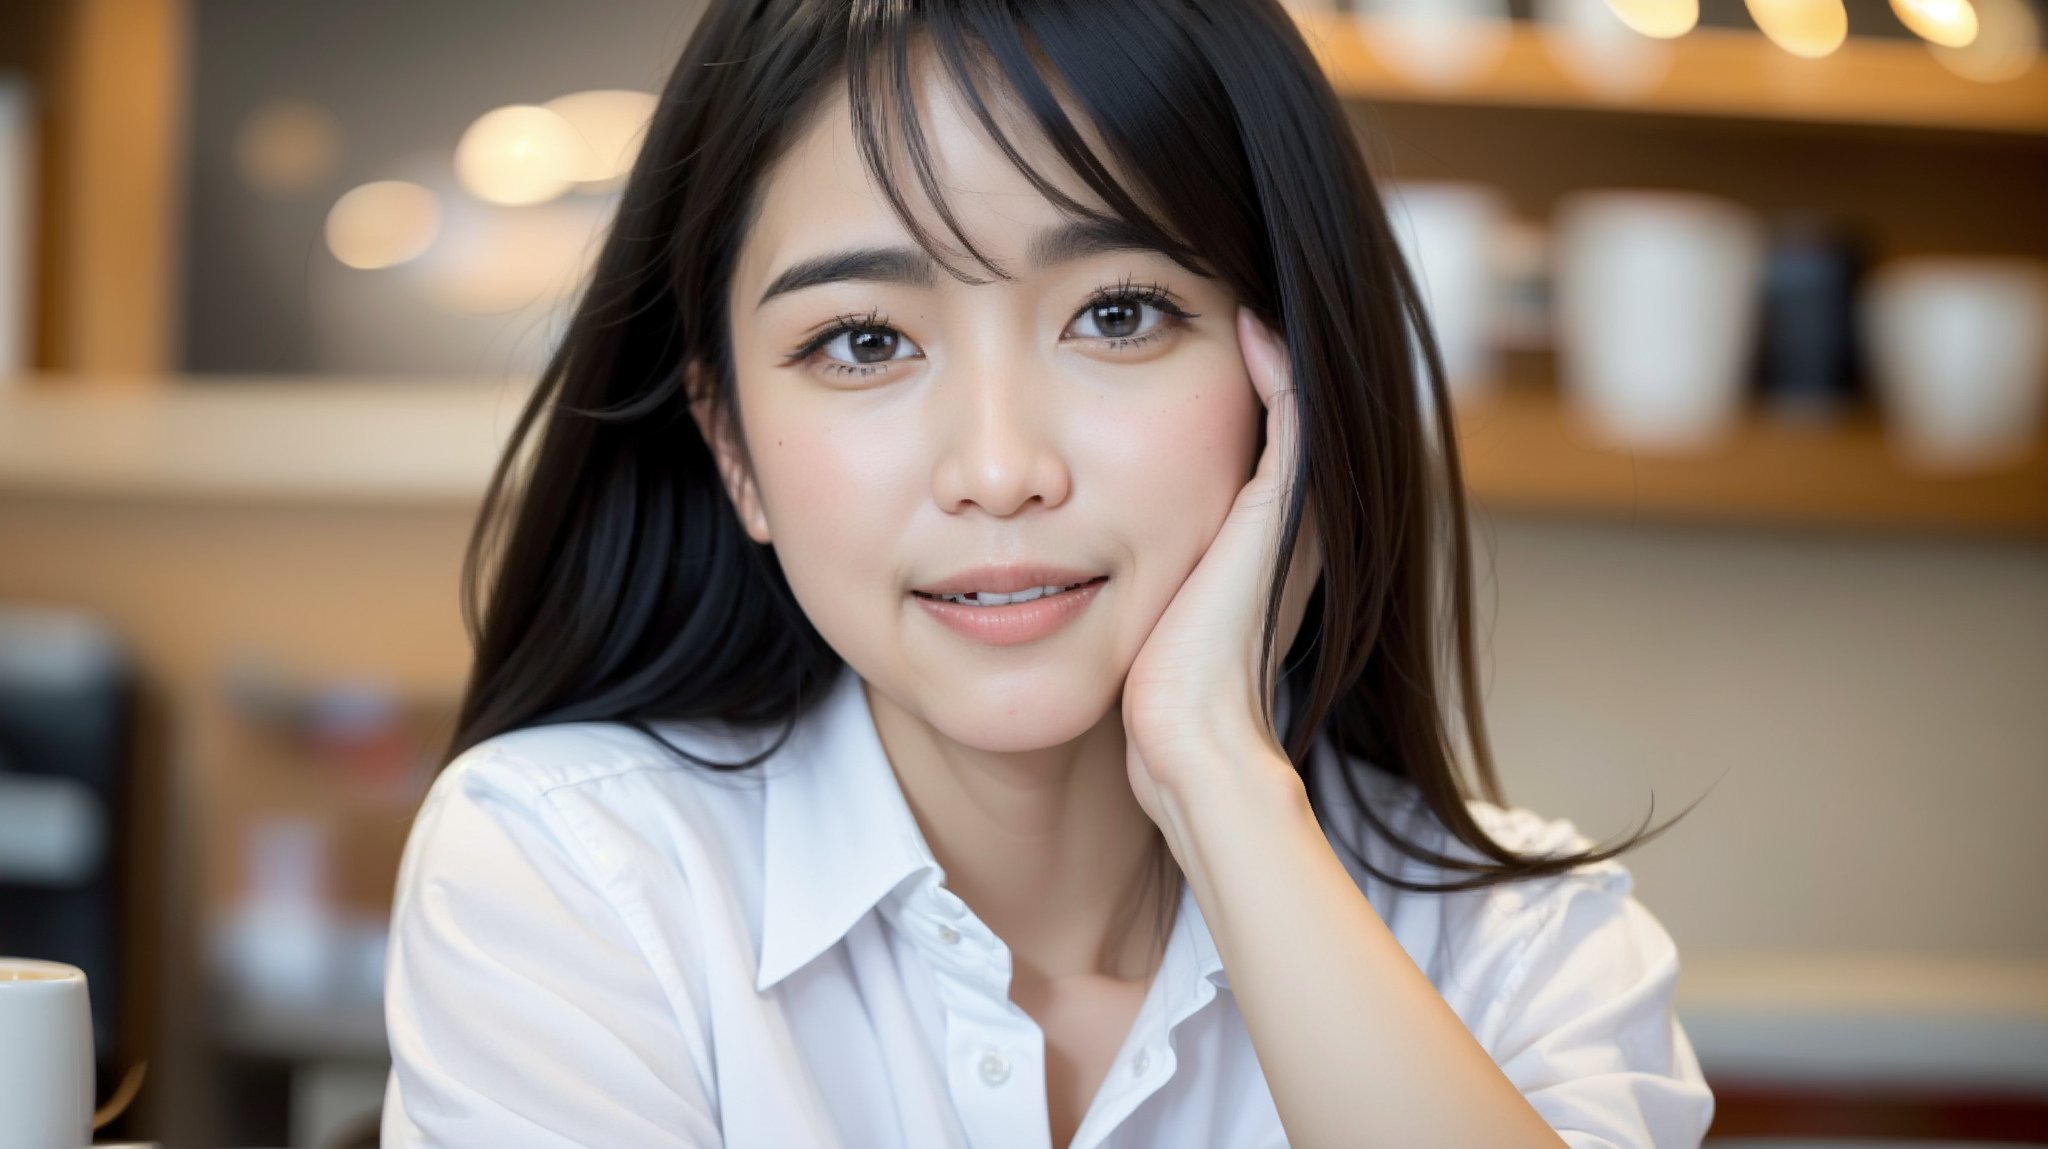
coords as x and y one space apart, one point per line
1021 734
1009 723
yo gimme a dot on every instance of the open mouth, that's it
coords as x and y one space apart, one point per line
995 600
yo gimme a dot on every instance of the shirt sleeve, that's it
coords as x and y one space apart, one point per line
1586 1028
521 1012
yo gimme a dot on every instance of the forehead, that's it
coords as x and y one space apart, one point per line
819 193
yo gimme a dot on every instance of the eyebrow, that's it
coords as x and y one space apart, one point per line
912 267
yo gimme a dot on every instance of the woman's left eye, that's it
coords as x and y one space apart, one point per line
1120 316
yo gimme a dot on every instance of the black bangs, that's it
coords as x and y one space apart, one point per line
1135 76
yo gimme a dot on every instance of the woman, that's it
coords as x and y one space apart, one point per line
774 820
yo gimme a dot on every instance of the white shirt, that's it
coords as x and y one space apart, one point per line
595 944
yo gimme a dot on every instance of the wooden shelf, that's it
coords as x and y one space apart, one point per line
310 439
1716 72
1524 451
425 442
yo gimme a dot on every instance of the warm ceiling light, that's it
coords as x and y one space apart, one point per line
1950 23
383 224
1809 28
522 154
1663 19
611 125
2007 44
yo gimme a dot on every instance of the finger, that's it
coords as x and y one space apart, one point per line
1264 359
1266 362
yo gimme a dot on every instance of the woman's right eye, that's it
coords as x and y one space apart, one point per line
862 349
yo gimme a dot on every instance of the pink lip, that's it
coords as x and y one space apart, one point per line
1017 623
1007 578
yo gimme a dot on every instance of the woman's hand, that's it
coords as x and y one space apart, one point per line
1193 689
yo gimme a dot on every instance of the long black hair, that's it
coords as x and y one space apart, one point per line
609 577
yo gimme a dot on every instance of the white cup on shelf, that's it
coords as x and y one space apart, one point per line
1448 231
1657 302
1958 351
1440 45
46 1055
1601 53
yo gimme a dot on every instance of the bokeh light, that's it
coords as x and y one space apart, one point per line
611 124
383 224
2007 45
1809 28
520 154
1663 19
288 148
1952 23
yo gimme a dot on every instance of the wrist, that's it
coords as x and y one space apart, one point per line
1236 784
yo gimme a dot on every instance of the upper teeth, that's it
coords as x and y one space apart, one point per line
990 598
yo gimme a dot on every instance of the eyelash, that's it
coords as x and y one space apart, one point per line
1150 294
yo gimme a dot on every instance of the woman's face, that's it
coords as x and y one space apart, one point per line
905 426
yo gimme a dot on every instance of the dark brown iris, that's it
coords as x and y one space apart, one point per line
872 344
1117 320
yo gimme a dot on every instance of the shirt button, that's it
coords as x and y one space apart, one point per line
1142 1062
949 935
995 1068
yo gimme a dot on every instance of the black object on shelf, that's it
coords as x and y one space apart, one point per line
66 717
1807 361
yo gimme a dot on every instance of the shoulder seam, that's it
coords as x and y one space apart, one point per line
621 769
631 910
539 776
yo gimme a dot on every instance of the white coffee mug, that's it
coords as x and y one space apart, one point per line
1958 348
1606 56
1657 301
1447 232
46 1056
1438 44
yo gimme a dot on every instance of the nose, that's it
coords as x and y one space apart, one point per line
997 432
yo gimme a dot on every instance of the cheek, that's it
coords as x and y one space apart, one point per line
834 490
1178 466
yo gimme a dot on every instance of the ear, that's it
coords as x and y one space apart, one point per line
732 468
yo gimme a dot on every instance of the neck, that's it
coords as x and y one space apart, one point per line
1049 846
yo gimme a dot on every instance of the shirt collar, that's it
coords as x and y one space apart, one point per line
839 837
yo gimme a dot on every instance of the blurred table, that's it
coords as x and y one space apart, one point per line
1818 1044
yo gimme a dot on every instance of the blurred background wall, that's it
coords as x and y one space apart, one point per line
1753 524
1866 712
267 297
